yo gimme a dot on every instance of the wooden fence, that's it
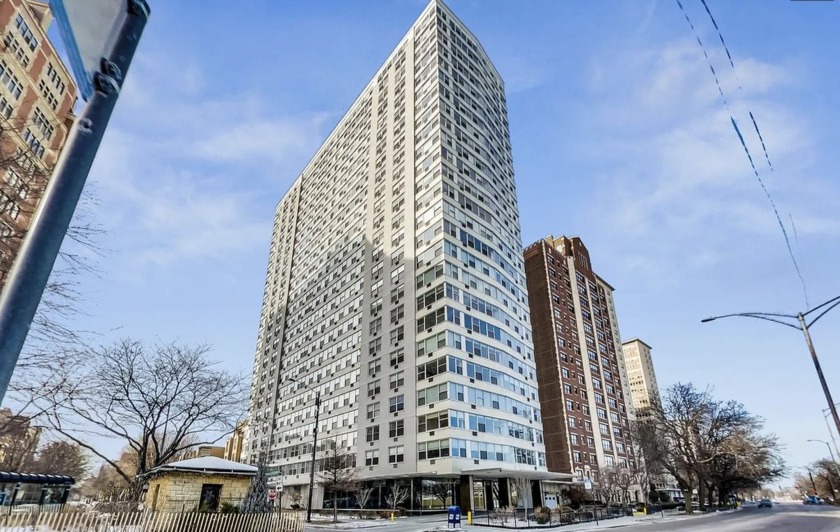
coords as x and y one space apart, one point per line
151 522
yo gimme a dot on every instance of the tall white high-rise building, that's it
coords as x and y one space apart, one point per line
396 290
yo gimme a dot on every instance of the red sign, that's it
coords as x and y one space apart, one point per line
272 495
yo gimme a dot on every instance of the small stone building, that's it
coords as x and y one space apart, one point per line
198 484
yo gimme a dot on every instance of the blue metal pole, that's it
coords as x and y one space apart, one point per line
35 260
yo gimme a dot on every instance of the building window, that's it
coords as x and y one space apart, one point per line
26 33
372 433
576 455
374 367
372 457
396 454
397 314
373 411
10 81
396 404
374 388
396 429
397 380
397 357
397 335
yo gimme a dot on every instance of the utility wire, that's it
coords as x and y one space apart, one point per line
741 136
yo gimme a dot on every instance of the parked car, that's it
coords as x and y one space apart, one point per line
695 506
812 499
765 503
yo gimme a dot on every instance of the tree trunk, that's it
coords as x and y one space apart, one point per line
701 494
335 506
687 497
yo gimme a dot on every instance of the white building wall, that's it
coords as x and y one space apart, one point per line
411 196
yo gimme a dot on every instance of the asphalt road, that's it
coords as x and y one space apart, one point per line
782 517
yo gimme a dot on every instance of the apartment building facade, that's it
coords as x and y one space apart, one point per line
586 407
37 95
644 389
396 293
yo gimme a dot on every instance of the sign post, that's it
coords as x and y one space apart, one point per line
101 37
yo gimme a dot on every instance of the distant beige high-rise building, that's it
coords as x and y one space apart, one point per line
233 445
205 450
643 388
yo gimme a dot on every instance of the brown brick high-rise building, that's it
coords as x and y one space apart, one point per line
37 95
580 369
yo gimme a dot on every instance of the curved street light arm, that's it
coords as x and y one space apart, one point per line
823 313
757 315
832 300
764 317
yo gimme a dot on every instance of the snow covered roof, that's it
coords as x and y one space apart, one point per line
208 464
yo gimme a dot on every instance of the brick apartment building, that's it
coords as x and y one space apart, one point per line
37 95
583 385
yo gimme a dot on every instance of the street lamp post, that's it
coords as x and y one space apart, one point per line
825 413
799 322
314 447
833 461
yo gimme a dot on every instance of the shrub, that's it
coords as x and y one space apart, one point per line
228 508
542 515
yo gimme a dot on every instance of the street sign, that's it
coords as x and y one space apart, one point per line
272 495
89 29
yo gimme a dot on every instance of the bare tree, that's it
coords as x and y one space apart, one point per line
363 495
62 458
625 480
607 481
522 485
440 490
398 495
158 400
642 469
53 341
698 441
339 472
18 441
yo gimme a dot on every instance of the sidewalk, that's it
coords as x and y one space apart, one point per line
619 522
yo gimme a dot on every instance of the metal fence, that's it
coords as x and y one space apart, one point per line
518 518
151 522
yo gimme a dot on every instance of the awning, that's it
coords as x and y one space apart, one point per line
496 472
35 478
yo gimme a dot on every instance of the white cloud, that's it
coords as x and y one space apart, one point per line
186 177
677 184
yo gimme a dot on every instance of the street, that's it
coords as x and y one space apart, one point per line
782 517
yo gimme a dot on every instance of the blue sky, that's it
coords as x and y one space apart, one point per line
619 136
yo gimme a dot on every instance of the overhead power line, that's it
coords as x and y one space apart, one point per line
740 135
